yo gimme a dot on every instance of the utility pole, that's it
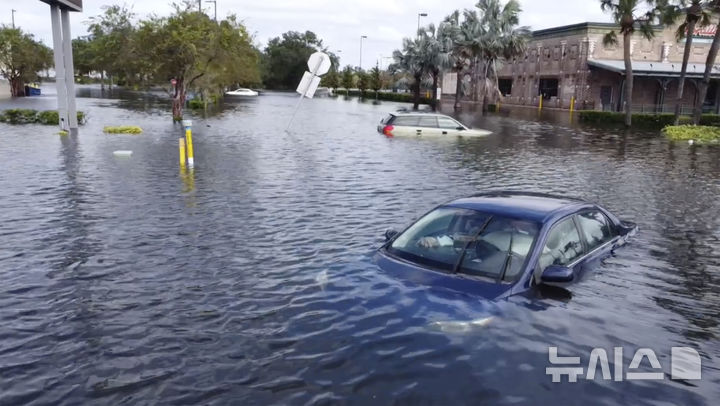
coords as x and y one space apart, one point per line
215 4
362 37
200 6
13 17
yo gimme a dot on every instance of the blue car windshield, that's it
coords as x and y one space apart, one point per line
469 242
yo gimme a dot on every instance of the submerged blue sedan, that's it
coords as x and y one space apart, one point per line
501 244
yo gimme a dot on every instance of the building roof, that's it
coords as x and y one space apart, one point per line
659 69
531 206
564 29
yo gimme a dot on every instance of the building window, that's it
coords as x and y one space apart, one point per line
505 86
548 87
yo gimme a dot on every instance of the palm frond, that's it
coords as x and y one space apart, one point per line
610 38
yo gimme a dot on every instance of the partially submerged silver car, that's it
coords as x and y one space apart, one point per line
418 124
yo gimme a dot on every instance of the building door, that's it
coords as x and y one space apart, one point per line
606 98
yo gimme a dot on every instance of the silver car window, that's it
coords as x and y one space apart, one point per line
428 122
406 121
447 123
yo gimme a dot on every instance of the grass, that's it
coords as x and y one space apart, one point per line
702 134
123 129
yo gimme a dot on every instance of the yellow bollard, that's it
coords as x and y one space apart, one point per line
572 104
497 108
541 101
188 142
181 145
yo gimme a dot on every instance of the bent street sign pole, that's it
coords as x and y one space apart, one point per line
319 64
64 70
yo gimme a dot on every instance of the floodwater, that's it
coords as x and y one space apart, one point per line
249 280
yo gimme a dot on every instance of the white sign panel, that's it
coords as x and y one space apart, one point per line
308 85
319 63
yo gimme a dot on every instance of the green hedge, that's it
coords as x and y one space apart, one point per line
27 116
385 96
703 134
643 119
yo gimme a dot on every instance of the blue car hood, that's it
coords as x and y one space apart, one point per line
415 274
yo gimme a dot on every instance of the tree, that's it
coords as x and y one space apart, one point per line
363 81
412 61
458 55
285 58
21 58
695 12
714 7
331 79
629 16
498 37
83 55
436 49
110 42
376 80
348 78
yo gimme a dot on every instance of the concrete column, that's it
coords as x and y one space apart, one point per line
59 66
69 69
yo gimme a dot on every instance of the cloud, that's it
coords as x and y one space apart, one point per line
340 23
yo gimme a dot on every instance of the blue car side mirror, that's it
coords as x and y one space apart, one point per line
557 274
390 234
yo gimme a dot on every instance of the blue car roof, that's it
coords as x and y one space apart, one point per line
538 207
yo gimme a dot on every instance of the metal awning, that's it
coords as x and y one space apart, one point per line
655 69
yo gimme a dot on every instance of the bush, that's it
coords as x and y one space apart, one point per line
385 96
645 120
48 117
19 116
704 134
27 116
196 104
123 129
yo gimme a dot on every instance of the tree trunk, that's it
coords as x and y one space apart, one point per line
485 86
628 81
178 100
458 89
683 72
433 102
102 80
17 87
416 99
702 90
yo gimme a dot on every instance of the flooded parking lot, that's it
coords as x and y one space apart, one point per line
249 280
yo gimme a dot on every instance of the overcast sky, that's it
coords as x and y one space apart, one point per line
340 23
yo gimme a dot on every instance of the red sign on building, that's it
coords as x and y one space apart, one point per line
707 31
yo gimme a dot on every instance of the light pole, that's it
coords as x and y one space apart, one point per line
362 37
13 17
420 15
200 6
215 4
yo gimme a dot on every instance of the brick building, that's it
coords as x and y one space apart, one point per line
571 61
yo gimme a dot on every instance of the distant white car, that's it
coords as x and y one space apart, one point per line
417 124
242 93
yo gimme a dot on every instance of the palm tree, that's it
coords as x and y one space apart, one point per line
492 34
412 61
629 16
714 7
504 40
451 32
695 13
435 49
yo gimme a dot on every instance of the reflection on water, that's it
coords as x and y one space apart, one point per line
248 279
